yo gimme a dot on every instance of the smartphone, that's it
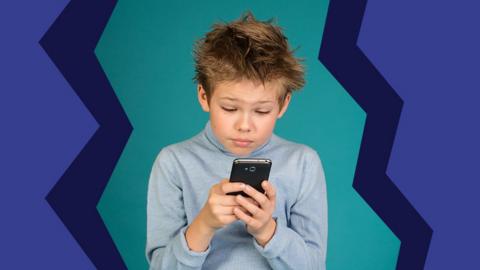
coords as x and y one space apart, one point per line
251 171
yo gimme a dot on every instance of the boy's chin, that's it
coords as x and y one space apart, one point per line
240 152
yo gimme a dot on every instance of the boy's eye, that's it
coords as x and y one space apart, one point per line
228 109
263 112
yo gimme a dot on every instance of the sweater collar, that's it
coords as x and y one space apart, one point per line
215 142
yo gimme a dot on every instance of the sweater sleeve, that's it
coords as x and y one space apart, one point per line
302 244
166 220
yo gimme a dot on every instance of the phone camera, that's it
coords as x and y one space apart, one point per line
252 169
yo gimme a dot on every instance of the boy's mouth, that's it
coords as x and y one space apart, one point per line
241 142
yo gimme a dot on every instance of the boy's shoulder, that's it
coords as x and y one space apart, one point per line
292 148
187 146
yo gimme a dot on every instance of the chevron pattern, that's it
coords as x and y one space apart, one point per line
342 57
70 43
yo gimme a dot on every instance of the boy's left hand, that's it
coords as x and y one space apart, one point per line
259 209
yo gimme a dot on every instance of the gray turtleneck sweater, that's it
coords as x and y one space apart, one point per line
179 183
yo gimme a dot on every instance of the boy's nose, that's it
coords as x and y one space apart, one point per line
244 123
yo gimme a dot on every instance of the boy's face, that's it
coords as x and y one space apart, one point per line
243 114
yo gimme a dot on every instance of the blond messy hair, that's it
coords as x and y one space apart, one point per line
247 49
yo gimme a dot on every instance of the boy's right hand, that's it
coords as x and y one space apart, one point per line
218 210
215 214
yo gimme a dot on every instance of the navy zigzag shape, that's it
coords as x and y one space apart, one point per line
70 43
347 63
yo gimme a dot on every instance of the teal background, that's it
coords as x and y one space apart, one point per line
146 52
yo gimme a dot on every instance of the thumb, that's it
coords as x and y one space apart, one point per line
218 187
224 180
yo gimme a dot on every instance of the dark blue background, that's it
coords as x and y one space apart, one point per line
44 126
429 53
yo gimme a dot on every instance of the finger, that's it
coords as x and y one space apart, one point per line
232 187
250 221
252 201
227 200
227 219
257 196
243 210
250 207
270 190
223 210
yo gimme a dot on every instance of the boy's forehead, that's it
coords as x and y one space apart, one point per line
248 91
251 100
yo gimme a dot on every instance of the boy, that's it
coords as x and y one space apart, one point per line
245 74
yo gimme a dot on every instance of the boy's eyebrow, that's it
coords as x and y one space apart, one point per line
258 102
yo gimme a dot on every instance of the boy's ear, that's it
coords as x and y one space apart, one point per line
202 98
286 101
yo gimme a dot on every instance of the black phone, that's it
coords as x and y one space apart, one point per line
251 171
